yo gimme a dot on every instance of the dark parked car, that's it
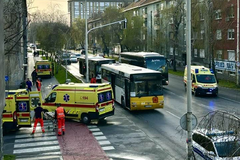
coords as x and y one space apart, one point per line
65 57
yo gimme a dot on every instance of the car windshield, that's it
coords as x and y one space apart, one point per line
228 149
156 63
206 78
146 88
73 57
78 55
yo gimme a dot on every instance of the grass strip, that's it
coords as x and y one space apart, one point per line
9 157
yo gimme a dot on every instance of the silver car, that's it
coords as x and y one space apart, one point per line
73 59
216 145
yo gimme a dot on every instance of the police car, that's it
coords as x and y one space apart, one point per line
216 145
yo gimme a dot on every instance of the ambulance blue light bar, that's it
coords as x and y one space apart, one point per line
196 70
211 71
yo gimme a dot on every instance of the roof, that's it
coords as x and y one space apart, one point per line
96 58
81 85
142 54
127 69
139 3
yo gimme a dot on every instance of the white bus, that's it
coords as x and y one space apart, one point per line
135 88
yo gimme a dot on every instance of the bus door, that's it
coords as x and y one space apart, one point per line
127 93
23 110
113 77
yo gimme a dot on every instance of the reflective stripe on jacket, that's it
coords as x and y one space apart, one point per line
60 112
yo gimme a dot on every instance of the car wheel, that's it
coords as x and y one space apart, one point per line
85 118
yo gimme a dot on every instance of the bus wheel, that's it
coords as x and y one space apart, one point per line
85 118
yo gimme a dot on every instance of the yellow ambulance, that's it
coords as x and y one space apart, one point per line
203 81
19 104
44 68
83 101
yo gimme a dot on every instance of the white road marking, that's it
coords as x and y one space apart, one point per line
23 145
36 139
36 134
100 137
94 129
97 133
104 142
92 126
37 149
173 114
39 158
108 148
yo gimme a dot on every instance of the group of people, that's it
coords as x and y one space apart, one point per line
35 80
59 116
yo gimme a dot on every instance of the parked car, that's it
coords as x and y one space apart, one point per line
73 59
82 52
216 145
65 58
78 56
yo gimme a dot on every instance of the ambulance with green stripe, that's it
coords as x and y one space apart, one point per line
83 101
18 105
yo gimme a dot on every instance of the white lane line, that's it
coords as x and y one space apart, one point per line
43 157
173 114
97 133
36 139
92 126
51 153
104 142
100 137
35 144
37 149
36 134
108 148
94 129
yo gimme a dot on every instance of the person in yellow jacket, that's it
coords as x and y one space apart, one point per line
60 116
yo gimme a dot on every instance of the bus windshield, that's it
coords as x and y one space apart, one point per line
146 88
156 63
206 78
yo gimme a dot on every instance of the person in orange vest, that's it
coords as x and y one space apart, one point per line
38 84
60 116
38 118
93 79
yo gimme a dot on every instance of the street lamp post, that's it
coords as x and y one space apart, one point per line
86 43
237 66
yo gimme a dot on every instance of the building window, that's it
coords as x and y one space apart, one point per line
230 12
201 15
230 34
162 6
171 20
219 34
218 14
171 51
202 53
231 55
219 54
202 34
195 52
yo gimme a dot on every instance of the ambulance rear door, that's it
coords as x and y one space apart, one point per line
35 99
23 110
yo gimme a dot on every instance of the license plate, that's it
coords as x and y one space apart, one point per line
23 120
101 109
148 106
208 92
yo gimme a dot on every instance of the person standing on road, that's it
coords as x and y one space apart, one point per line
34 76
38 84
28 85
38 118
60 116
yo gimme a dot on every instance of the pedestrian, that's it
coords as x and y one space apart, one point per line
93 79
34 76
38 84
38 118
28 85
60 117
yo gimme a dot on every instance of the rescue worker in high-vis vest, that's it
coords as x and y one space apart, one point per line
38 118
60 116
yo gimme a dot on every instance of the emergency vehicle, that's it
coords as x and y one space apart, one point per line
19 104
82 101
203 81
44 68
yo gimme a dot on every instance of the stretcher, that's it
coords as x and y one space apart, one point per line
51 116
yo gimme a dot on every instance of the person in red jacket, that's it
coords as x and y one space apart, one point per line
38 118
60 116
38 84
93 79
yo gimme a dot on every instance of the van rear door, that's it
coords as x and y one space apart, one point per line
105 100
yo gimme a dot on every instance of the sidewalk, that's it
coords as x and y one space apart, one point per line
78 142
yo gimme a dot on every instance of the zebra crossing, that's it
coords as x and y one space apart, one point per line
39 146
102 140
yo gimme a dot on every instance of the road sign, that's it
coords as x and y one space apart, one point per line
183 121
6 78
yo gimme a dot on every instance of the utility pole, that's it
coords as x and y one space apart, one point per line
86 44
189 82
24 27
237 70
2 74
